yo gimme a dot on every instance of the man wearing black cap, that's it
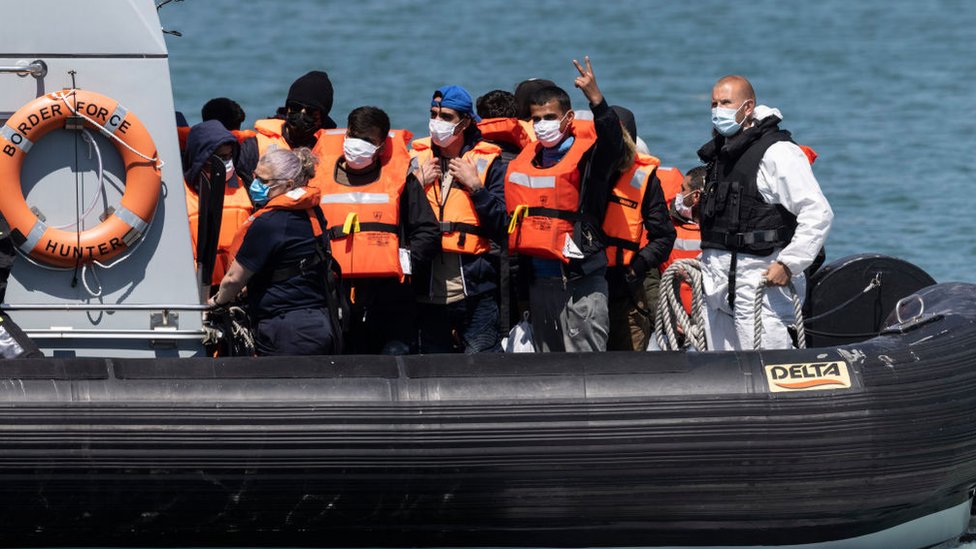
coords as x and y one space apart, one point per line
464 180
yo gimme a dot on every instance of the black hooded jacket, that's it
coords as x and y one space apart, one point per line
203 140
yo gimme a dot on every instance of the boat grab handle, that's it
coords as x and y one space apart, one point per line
904 301
36 68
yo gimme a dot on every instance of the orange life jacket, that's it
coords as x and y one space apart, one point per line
269 134
506 130
529 129
237 208
182 133
543 203
461 230
671 179
687 245
329 145
300 198
624 224
811 154
365 219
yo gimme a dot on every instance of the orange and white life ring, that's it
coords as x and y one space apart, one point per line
129 220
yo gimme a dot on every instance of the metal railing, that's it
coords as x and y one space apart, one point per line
36 68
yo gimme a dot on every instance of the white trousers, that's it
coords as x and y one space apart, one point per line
734 330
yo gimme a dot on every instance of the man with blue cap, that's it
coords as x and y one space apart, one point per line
464 180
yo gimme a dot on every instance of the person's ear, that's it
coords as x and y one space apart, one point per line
570 116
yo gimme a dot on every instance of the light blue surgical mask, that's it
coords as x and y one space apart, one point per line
723 120
259 192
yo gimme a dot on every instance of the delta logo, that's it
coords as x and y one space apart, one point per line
812 376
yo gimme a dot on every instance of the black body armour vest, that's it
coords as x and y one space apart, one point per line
734 216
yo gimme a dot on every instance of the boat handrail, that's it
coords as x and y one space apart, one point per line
71 333
101 307
36 68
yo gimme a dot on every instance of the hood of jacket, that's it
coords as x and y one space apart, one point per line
203 140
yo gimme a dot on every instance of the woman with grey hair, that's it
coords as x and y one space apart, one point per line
281 255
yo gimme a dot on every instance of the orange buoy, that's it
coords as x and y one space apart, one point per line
128 221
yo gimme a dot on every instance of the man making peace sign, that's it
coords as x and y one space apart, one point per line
556 194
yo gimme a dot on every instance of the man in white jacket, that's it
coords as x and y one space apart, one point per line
763 219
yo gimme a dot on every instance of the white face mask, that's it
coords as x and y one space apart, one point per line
680 207
442 133
358 153
228 170
547 131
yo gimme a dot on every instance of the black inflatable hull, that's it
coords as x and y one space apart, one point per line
567 450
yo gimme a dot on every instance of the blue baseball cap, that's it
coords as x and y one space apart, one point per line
457 98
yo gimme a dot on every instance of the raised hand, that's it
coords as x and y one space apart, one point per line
586 82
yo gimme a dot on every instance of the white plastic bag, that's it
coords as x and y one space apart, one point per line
519 338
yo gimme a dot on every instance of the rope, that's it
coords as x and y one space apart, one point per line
671 312
801 336
63 96
874 284
101 178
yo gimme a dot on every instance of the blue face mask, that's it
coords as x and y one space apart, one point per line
259 192
723 120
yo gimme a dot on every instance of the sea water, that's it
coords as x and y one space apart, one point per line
882 90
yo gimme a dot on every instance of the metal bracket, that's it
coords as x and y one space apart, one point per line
106 214
75 123
35 68
164 321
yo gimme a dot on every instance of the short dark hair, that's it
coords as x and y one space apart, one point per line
367 119
497 104
550 93
227 111
696 177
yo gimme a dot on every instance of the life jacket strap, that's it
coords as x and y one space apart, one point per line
340 231
458 227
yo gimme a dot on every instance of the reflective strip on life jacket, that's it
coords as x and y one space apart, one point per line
543 203
356 198
688 245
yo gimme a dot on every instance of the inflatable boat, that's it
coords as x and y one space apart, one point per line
864 445
126 434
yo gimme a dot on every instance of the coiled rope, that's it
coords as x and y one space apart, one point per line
671 313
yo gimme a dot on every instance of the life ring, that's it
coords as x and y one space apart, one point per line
143 182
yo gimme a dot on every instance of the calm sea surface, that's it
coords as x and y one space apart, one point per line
882 90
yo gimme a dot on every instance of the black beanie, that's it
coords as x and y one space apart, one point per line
314 90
